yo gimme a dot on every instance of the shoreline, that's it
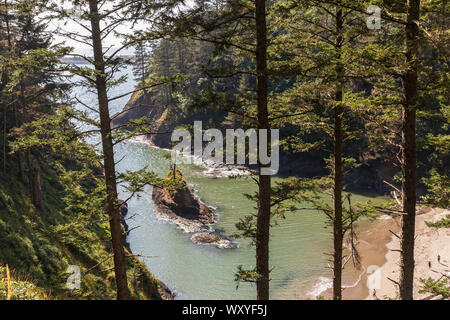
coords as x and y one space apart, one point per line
212 170
374 249
430 243
165 293
380 259
373 236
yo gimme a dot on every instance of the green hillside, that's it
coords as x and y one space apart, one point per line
39 245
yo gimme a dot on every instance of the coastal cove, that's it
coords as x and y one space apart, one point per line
194 271
240 157
204 272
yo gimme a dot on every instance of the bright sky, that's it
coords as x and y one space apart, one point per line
77 27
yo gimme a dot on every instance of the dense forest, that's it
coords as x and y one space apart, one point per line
358 90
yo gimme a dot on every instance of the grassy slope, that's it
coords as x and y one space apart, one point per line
32 246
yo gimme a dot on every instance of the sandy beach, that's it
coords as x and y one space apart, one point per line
430 243
380 261
380 258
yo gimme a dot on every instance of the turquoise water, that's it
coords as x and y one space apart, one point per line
297 243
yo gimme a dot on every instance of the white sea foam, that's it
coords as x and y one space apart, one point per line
213 169
356 282
322 284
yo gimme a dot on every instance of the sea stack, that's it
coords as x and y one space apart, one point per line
177 203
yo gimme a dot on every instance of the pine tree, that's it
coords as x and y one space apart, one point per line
87 13
238 29
318 44
99 74
108 154
140 64
27 85
264 200
409 150
407 56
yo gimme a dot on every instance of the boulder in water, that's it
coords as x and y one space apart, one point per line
177 203
211 238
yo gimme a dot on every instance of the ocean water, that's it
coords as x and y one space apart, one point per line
297 244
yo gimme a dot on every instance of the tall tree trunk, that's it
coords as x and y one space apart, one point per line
263 219
166 73
142 58
18 123
19 154
338 171
34 181
180 46
409 152
4 139
37 194
143 78
8 32
16 119
123 292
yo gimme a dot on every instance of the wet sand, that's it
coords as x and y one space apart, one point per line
430 243
373 249
373 239
380 261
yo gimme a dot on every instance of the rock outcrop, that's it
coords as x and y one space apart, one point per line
178 204
144 105
163 119
211 238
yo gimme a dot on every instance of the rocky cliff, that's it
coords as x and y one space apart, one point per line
374 169
144 105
